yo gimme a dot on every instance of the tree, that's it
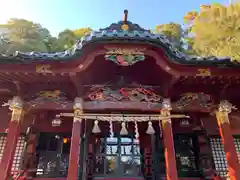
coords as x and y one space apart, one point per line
67 38
173 32
82 32
215 30
26 36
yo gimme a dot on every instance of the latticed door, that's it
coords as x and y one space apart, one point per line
19 152
219 155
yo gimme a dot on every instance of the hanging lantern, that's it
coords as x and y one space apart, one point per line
65 140
56 122
150 129
96 128
124 129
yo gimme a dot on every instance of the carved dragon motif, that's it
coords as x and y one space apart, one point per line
124 94
186 99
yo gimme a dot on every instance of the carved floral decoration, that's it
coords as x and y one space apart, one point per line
55 96
124 57
204 100
124 94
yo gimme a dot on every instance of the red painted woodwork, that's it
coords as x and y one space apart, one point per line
9 150
97 106
91 53
110 179
171 167
230 150
74 151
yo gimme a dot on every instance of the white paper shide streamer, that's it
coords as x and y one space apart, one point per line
123 129
96 128
150 129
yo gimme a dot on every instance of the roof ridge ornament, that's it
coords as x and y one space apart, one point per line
125 18
125 26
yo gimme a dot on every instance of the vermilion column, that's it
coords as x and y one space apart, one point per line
171 167
75 140
227 139
16 106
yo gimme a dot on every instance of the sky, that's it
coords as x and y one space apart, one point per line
57 15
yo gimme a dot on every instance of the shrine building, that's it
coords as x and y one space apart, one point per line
122 103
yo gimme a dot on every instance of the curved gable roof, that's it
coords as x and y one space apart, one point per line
115 31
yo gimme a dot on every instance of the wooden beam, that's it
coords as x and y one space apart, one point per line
223 90
19 88
169 84
9 88
108 106
77 83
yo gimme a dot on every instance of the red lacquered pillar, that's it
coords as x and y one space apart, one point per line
170 159
75 140
227 139
16 106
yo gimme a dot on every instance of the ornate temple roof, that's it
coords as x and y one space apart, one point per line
119 32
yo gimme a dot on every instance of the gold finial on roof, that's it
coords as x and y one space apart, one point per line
125 17
125 26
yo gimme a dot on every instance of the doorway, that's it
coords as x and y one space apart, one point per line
53 154
117 156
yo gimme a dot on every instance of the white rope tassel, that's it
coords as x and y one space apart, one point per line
124 129
136 130
111 129
150 129
96 128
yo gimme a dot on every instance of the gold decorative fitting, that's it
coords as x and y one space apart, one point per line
222 117
14 103
125 27
204 72
44 69
17 114
78 112
78 103
124 51
50 94
226 106
168 120
166 105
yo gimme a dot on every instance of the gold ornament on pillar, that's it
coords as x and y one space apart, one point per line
166 107
78 108
166 111
16 106
224 108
